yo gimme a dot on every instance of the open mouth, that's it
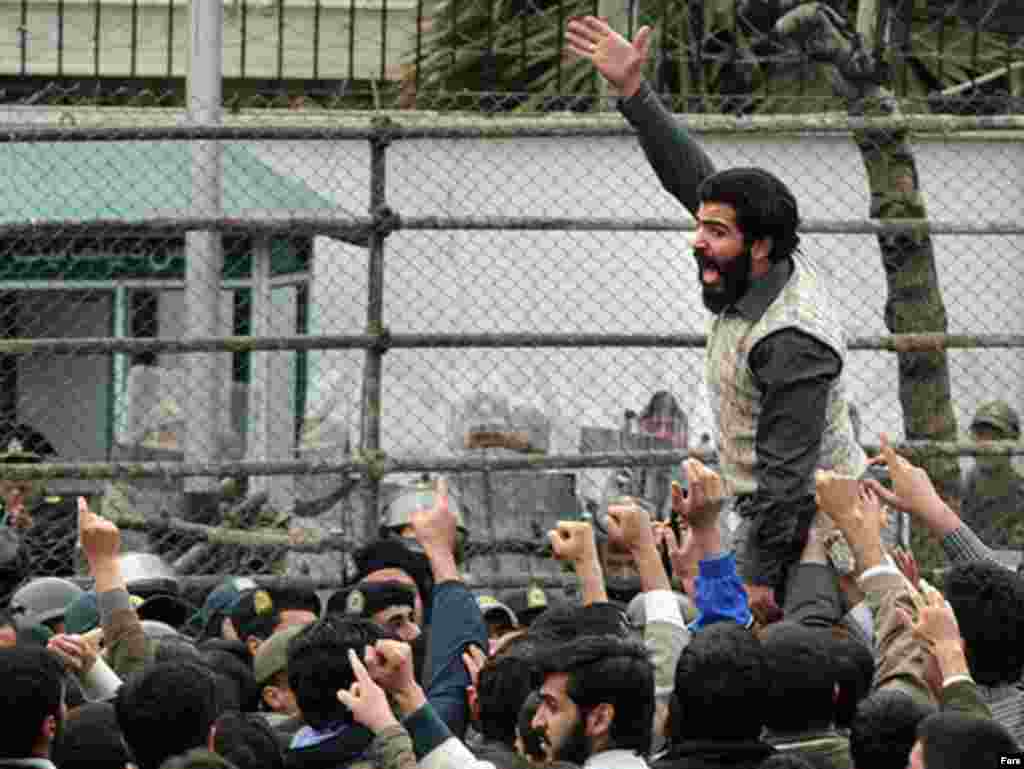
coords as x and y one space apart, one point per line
710 275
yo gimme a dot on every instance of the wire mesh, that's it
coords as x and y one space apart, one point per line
442 292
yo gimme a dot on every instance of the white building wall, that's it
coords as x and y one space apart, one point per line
489 282
631 282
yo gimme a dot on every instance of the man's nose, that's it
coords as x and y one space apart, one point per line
414 631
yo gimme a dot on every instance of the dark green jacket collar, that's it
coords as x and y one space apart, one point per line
763 291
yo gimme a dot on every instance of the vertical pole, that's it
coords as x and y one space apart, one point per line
259 440
372 371
60 38
170 38
204 253
119 367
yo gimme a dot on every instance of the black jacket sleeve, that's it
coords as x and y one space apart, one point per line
795 373
679 161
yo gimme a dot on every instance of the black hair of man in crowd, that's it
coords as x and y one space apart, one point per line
91 739
237 676
608 670
504 683
247 741
855 670
801 677
165 710
787 760
988 601
720 687
32 708
318 665
952 740
884 729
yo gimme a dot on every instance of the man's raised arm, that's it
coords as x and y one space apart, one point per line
679 161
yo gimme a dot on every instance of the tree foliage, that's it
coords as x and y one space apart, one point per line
717 55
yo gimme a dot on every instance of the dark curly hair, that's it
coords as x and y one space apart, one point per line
952 740
884 729
765 207
988 601
855 670
318 665
720 686
609 669
802 677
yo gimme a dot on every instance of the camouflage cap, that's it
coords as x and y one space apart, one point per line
22 443
272 655
999 416
14 451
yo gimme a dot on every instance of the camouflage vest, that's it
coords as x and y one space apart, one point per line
735 398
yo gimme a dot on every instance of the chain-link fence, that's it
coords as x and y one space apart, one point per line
733 55
241 340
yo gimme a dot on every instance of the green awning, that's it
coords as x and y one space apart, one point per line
131 181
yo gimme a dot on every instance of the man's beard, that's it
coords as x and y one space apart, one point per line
734 279
576 748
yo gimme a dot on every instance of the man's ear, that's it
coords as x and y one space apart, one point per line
50 728
760 255
253 644
269 696
599 720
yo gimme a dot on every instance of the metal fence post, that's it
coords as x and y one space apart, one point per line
373 367
204 255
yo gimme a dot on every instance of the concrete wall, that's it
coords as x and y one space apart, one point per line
638 282
483 282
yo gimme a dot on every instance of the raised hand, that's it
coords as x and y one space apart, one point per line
936 623
366 699
629 525
390 664
101 539
857 512
913 491
573 542
618 60
435 527
101 545
701 503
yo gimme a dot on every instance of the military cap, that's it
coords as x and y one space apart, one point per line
221 601
489 605
526 603
368 598
272 655
997 415
21 443
14 451
392 553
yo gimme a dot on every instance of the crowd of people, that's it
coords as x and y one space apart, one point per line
408 666
768 623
